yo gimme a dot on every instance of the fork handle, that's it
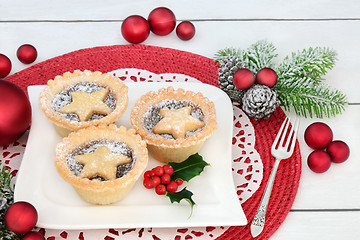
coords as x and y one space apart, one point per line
257 224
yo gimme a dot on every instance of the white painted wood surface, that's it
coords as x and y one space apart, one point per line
65 10
327 205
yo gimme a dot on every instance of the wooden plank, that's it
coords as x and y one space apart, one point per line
319 225
229 9
53 39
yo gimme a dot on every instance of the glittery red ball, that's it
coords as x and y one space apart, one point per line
162 21
33 236
318 135
339 151
135 29
185 30
26 53
15 112
5 66
266 76
243 79
21 217
319 161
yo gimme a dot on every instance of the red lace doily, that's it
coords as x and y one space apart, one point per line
163 60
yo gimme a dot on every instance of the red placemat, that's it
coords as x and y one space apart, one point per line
163 60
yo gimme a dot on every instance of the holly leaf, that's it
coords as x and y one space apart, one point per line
189 168
182 195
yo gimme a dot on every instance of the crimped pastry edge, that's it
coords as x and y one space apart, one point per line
60 82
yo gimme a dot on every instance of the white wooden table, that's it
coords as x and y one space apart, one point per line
327 205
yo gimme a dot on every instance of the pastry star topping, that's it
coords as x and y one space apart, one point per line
101 163
177 122
86 104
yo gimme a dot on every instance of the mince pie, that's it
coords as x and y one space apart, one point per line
174 123
81 99
102 163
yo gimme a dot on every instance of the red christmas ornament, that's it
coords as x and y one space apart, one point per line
33 236
162 21
318 135
26 53
266 76
15 112
5 66
135 29
319 161
243 79
21 217
185 30
339 151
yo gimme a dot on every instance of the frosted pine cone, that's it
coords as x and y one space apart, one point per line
260 101
228 66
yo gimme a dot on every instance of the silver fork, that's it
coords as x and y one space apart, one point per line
279 151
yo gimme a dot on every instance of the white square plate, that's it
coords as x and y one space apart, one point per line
59 206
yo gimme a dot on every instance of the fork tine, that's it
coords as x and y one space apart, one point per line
276 140
297 122
283 133
290 136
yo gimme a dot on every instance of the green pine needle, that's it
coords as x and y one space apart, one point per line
261 55
311 63
311 100
5 179
228 52
299 83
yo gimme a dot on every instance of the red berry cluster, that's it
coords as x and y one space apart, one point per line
243 78
160 178
319 137
161 21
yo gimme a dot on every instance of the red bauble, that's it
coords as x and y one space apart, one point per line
162 21
33 236
5 66
135 29
185 30
319 161
339 151
318 135
21 217
243 79
15 112
26 53
266 76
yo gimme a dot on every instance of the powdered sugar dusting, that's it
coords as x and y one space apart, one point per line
64 98
152 115
115 147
